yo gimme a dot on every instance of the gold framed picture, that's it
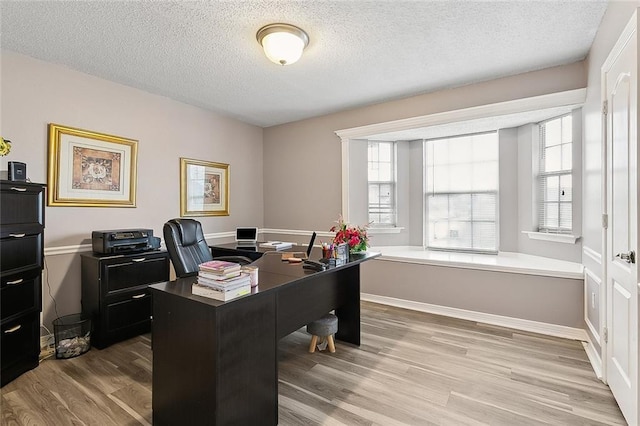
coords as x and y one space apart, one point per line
204 188
90 169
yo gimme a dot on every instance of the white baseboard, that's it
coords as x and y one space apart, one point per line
213 236
81 248
499 320
594 357
56 251
296 232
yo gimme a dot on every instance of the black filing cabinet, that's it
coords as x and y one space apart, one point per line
115 293
21 262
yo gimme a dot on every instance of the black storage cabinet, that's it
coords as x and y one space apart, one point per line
21 262
115 294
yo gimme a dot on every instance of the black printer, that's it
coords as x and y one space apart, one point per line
122 241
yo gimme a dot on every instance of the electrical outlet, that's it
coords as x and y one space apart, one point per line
593 300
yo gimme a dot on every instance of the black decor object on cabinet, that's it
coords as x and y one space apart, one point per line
115 294
21 262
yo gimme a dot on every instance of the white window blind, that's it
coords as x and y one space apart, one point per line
554 178
382 183
462 192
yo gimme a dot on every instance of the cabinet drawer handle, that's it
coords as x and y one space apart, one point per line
15 282
18 189
138 296
142 259
13 329
17 235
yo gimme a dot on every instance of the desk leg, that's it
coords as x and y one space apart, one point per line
349 313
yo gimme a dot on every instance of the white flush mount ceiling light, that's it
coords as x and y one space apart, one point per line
282 43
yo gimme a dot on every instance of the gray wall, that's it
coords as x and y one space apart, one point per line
403 184
542 299
358 177
35 93
617 16
509 186
416 189
527 138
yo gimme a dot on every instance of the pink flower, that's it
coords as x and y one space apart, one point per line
355 236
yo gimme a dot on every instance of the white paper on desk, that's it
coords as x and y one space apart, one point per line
277 245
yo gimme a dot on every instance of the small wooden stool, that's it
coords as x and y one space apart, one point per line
326 326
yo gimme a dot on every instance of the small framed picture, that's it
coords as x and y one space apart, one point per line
204 188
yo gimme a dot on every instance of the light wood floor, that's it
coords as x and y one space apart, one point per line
412 368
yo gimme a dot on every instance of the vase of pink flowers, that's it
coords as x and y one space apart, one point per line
355 236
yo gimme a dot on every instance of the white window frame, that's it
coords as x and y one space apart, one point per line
448 194
392 183
544 175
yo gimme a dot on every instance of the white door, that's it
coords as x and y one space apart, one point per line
620 82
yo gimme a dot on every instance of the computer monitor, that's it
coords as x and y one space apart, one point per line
310 246
246 236
293 255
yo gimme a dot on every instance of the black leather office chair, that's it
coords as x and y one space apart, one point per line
187 247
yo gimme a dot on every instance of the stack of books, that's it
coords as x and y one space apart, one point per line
221 280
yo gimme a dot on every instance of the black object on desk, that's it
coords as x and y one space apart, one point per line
315 265
216 362
233 249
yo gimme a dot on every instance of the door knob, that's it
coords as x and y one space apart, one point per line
627 257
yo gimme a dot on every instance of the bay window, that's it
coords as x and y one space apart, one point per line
462 192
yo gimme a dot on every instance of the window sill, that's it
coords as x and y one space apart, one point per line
516 263
556 238
394 230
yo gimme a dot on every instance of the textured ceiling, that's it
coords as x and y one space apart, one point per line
205 53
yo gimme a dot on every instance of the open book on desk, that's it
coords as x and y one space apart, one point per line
276 245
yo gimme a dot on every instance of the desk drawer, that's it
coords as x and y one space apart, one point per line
19 346
20 252
124 319
120 274
21 204
131 311
21 293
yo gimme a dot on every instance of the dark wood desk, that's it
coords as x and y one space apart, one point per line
216 362
232 249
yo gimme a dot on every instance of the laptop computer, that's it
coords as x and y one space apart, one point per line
298 254
246 237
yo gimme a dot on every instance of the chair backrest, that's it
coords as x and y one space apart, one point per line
186 246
